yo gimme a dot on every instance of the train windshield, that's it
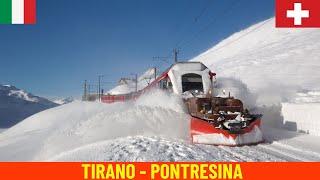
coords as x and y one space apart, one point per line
192 82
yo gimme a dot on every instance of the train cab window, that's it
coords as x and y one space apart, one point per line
169 85
192 82
163 84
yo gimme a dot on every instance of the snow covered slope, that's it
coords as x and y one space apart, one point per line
263 55
69 126
278 66
16 105
149 129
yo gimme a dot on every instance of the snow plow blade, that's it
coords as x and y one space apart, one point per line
203 132
223 121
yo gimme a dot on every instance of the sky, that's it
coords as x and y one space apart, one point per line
78 40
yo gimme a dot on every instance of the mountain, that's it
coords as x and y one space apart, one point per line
17 104
62 101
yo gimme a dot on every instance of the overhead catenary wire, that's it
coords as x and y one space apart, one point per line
183 43
242 36
245 34
225 11
202 12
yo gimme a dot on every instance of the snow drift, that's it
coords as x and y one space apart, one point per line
276 65
263 55
138 148
73 125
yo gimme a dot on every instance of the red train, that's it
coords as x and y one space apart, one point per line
214 120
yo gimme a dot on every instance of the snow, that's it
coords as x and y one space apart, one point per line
263 55
149 129
129 85
76 124
138 148
274 66
23 95
307 97
302 117
62 101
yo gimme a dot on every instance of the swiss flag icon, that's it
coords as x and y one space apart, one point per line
297 13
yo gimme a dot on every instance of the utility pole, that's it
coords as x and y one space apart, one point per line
85 91
99 86
136 82
175 55
155 73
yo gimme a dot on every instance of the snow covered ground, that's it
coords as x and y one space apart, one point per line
263 55
76 124
280 66
150 129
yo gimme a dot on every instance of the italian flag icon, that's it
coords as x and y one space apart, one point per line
17 11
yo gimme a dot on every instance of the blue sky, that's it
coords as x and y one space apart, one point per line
77 40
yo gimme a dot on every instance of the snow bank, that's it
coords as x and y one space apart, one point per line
138 148
263 55
277 65
302 117
69 126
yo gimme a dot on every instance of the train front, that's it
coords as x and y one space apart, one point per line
214 120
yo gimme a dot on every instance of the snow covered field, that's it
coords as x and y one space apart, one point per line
146 130
275 71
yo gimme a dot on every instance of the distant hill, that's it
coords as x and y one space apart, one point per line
17 104
62 101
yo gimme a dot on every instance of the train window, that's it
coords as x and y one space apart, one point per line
163 84
192 82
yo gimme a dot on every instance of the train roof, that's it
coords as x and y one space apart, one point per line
188 66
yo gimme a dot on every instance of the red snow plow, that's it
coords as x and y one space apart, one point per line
215 120
222 121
